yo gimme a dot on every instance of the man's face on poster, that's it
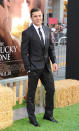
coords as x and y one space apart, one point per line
36 3
17 8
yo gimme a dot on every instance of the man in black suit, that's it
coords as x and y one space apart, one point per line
37 50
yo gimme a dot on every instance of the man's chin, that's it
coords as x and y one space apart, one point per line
38 24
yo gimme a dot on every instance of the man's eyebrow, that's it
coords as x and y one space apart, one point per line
36 15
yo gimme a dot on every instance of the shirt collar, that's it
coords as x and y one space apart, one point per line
36 27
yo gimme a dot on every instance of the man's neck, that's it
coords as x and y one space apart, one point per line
37 26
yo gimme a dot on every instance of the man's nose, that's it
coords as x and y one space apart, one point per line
38 17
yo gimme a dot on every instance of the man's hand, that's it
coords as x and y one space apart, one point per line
55 67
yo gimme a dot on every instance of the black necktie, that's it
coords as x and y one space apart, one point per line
42 40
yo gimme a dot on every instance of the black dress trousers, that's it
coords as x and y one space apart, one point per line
47 80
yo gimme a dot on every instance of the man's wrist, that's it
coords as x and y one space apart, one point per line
55 63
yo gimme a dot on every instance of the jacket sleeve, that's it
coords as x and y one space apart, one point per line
51 50
25 50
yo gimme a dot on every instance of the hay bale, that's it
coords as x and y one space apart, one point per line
66 92
40 94
6 104
37 96
75 92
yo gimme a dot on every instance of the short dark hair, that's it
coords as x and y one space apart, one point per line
1 2
34 10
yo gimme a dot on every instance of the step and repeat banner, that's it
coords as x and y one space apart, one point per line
14 18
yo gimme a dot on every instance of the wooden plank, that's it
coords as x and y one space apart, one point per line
14 89
20 91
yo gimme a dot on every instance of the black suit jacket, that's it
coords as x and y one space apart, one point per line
34 54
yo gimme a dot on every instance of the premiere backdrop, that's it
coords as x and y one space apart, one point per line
72 59
14 18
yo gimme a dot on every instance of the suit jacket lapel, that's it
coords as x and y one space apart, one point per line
35 34
45 31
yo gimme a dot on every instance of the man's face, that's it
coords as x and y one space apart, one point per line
37 18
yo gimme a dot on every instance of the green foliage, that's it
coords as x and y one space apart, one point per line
17 106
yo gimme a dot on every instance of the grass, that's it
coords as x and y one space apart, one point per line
17 106
68 118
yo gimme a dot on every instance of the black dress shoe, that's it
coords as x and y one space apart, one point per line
35 123
33 120
50 119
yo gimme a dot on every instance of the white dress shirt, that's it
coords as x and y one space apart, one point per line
42 31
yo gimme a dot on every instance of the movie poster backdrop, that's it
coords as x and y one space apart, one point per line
14 18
